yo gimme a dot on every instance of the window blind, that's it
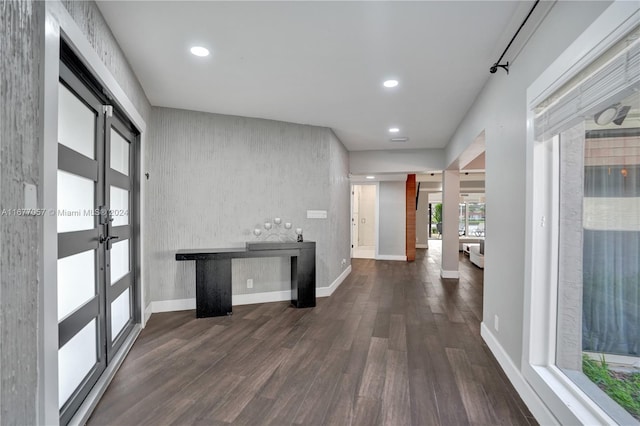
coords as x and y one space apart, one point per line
617 78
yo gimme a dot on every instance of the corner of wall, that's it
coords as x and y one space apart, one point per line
526 392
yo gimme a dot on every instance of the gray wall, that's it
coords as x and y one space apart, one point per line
21 49
500 110
392 222
214 178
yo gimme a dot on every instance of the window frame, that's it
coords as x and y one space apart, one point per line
564 399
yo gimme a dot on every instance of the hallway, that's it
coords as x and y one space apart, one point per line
394 345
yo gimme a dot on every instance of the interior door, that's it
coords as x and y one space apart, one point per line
96 285
118 247
81 353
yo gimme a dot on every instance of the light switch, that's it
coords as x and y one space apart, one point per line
316 214
30 196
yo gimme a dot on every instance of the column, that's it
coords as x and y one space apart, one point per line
450 243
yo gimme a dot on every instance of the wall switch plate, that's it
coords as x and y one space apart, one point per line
30 196
496 322
316 214
250 283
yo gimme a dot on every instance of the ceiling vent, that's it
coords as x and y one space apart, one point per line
399 139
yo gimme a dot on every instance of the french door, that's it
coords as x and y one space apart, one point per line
96 268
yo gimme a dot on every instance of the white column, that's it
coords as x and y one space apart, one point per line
450 201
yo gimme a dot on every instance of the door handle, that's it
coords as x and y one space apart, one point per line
105 239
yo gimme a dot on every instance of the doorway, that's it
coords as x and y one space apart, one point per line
363 221
96 284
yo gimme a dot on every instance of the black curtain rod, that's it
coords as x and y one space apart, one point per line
497 65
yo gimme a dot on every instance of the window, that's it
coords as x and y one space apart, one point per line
471 218
584 231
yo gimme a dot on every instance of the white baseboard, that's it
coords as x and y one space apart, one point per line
173 305
391 257
243 299
266 297
328 291
422 246
449 274
526 392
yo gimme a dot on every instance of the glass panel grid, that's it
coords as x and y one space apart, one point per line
75 202
119 206
120 313
119 153
75 360
76 281
119 256
76 123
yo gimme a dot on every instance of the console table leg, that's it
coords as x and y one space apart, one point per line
303 279
213 288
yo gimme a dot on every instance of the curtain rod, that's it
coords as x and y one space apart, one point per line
497 65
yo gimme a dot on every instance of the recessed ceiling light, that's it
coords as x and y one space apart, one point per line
370 177
394 130
200 51
390 83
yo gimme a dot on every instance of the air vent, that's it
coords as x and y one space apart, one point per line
399 139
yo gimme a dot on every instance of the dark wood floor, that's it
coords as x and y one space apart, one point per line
394 345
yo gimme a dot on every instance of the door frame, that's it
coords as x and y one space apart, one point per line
60 25
376 212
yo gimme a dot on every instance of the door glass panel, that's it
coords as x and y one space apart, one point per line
119 206
75 360
75 202
76 123
119 260
120 313
76 281
119 153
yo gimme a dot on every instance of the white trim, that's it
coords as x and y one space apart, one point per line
48 413
245 299
449 274
173 305
91 401
266 297
391 257
328 291
525 391
562 397
425 246
351 225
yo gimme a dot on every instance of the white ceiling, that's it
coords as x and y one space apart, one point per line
321 63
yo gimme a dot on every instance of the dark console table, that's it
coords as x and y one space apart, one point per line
213 273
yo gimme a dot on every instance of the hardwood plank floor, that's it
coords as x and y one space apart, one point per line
394 345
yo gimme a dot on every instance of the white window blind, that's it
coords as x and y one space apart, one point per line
616 78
